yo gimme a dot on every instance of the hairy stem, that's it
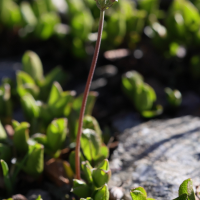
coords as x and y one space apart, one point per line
85 96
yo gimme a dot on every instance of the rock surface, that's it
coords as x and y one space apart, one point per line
158 155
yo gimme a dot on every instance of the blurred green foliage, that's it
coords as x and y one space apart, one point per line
174 97
141 94
76 22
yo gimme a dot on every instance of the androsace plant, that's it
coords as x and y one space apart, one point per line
102 5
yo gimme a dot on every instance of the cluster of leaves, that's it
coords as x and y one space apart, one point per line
38 19
179 27
27 153
176 27
143 95
52 120
96 181
43 99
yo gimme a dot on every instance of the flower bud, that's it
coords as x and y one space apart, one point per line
105 4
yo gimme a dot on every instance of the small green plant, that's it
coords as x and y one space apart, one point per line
174 97
185 192
53 140
96 181
32 80
141 94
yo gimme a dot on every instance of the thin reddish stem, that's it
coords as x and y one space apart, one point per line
85 95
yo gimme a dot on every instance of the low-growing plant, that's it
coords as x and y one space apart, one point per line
96 181
32 80
102 5
141 94
41 106
52 140
174 97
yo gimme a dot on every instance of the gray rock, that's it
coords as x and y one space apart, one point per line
158 155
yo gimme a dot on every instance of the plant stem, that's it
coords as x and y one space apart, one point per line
85 96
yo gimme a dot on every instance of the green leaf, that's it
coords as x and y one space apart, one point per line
32 65
182 197
24 78
21 136
103 154
141 189
100 177
157 110
116 29
28 88
59 108
30 107
40 138
187 188
145 98
10 13
35 162
27 13
72 160
104 165
137 195
91 123
81 189
87 171
58 100
55 93
90 144
6 176
45 26
57 74
68 170
56 134
3 135
39 198
15 124
39 7
130 81
102 194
